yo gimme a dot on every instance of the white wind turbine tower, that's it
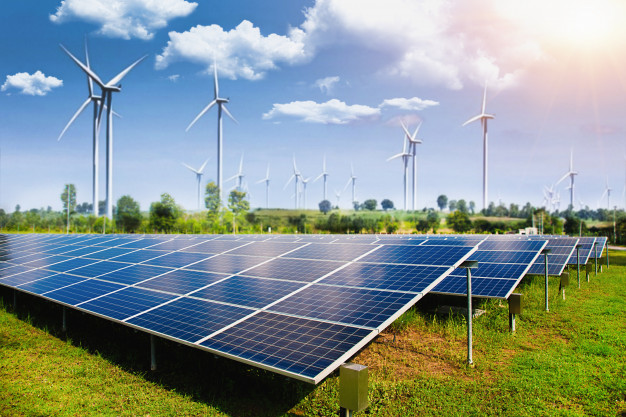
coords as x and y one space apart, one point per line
413 142
96 100
353 180
607 192
296 175
338 196
221 106
304 183
405 162
323 174
483 117
239 175
266 180
570 173
106 96
198 173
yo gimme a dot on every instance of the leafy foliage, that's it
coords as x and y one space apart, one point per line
325 206
442 202
71 189
128 214
164 213
386 204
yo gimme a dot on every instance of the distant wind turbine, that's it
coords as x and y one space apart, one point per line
305 181
353 180
198 173
221 106
413 142
338 196
266 180
607 192
483 117
324 174
238 176
106 96
296 175
405 162
570 173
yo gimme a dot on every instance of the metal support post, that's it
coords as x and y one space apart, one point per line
578 264
515 307
468 265
595 257
545 262
353 381
607 257
564 283
153 364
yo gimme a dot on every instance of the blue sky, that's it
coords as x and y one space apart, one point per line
314 78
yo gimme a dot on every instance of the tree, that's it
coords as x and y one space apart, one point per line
212 199
452 205
370 204
356 206
238 204
433 220
422 226
164 213
442 201
386 204
459 222
72 197
127 214
325 206
461 206
472 207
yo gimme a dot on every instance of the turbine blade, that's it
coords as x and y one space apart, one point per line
288 182
78 112
89 82
347 184
204 165
190 168
216 88
406 131
318 177
562 178
228 114
122 74
82 66
484 98
473 119
395 156
206 109
241 164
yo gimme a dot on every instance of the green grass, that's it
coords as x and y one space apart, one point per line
568 362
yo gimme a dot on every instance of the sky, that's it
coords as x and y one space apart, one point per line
310 80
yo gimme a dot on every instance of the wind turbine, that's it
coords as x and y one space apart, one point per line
198 173
323 174
413 142
548 197
338 197
106 97
296 175
239 175
570 173
221 106
607 192
304 183
483 117
405 161
267 187
353 180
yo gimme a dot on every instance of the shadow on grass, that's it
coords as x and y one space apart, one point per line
229 386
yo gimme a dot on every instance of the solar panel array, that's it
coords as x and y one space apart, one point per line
299 307
561 249
601 244
584 252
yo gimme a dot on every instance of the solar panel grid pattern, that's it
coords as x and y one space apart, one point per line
197 306
584 252
561 250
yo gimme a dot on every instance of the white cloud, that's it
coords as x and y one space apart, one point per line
174 77
36 84
124 18
330 112
326 85
413 104
240 52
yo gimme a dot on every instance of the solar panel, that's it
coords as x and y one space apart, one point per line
584 252
600 246
502 263
561 250
296 305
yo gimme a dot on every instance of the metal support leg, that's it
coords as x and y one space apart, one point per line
578 264
153 364
595 258
546 266
512 322
469 317
607 257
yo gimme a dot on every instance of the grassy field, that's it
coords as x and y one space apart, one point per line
570 361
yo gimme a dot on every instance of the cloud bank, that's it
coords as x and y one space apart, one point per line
37 84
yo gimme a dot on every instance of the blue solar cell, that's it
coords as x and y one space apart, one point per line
294 269
500 244
83 291
46 261
299 346
59 249
52 283
98 268
418 255
68 265
109 253
139 256
481 287
214 246
134 274
247 291
228 264
189 319
182 281
453 242
270 248
177 259
335 251
8 270
352 306
410 278
24 277
25 258
143 243
126 303
82 251
504 257
495 270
